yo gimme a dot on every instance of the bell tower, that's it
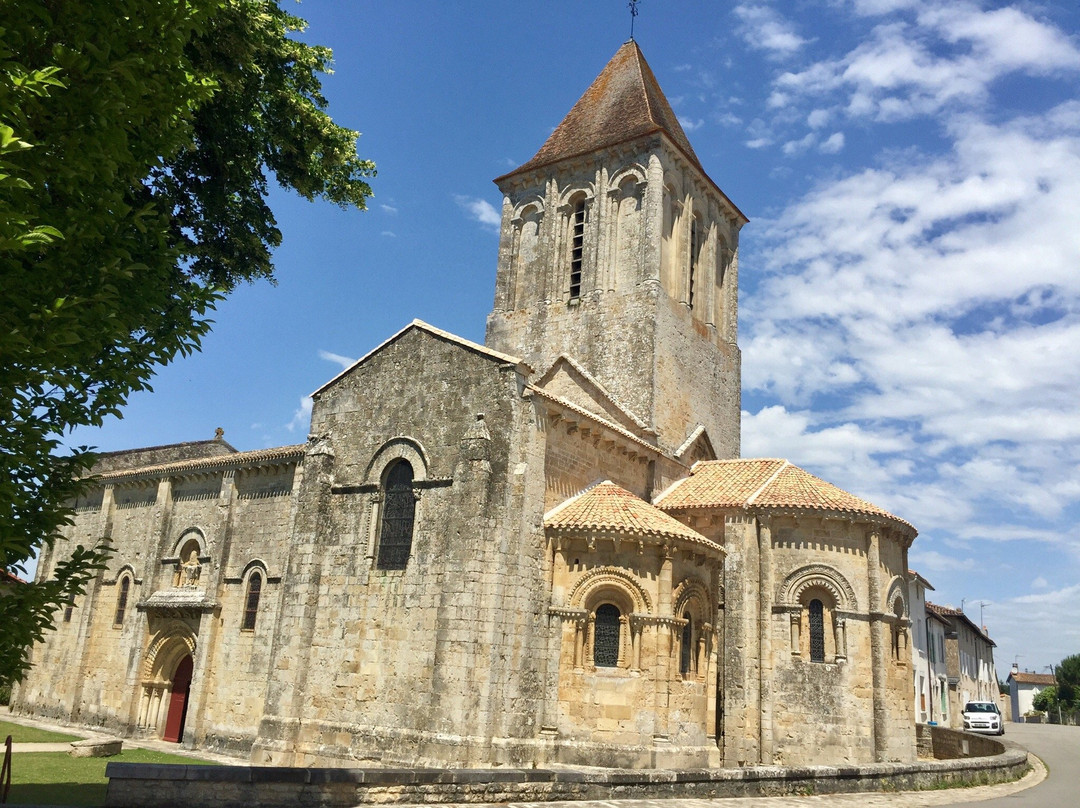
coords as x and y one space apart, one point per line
618 250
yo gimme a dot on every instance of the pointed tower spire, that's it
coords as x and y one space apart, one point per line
625 102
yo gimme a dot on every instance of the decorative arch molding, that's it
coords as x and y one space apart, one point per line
817 575
251 566
692 594
633 172
188 534
403 448
172 642
897 591
522 207
567 195
125 569
597 582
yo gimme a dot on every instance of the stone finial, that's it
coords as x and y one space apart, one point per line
219 434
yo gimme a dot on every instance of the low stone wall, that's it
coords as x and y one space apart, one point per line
133 785
950 744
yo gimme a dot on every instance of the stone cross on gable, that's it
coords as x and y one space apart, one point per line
633 14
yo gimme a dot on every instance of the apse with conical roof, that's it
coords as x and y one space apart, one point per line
619 251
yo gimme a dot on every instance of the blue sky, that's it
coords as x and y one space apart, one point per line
910 277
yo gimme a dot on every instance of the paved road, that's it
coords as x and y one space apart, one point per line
1059 749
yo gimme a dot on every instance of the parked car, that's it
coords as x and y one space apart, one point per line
983 716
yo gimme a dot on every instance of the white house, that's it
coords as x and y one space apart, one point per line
1023 688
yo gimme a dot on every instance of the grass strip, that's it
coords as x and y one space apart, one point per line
56 778
21 734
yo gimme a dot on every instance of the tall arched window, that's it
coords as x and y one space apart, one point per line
399 508
695 256
577 247
686 652
817 631
606 636
251 604
122 600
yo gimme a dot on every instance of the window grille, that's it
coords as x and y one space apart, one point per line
251 606
686 651
399 509
817 631
606 637
577 248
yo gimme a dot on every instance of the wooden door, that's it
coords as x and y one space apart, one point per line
178 699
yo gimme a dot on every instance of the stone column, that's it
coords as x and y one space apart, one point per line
877 643
796 633
663 654
765 665
840 638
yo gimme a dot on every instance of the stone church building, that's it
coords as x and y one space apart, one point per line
540 550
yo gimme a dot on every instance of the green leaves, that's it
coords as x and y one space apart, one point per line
137 140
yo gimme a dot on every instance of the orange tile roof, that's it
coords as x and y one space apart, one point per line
624 102
763 483
1033 678
283 454
609 508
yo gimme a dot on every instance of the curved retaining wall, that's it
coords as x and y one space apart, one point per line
133 785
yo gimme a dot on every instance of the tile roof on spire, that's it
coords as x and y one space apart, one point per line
623 103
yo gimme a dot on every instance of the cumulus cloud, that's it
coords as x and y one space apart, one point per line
480 210
763 28
690 125
920 59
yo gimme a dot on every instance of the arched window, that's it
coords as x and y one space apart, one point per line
686 652
606 636
69 608
817 631
695 256
251 604
122 600
399 508
577 247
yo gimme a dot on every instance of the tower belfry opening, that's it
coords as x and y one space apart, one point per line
619 250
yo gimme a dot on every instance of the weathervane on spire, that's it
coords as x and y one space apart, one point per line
633 14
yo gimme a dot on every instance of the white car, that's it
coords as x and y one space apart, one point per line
983 716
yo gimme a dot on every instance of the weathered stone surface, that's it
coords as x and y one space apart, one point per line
96 747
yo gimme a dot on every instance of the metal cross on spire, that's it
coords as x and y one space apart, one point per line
633 14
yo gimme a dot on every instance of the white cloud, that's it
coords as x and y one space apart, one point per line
834 144
388 234
302 416
480 210
1040 583
689 124
390 209
929 561
920 59
338 359
763 28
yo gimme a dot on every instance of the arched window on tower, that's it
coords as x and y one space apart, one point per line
122 600
606 636
577 247
251 603
686 650
817 630
399 509
695 259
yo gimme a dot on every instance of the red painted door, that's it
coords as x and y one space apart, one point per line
178 698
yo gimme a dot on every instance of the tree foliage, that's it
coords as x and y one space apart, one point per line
137 139
1067 674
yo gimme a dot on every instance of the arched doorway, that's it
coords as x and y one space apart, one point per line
179 691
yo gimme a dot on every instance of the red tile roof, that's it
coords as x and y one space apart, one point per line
606 507
1033 678
624 102
764 483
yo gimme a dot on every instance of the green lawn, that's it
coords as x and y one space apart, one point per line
55 778
21 734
